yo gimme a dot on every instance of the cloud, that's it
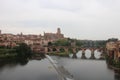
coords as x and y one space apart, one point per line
83 19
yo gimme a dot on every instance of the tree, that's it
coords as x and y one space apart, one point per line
62 42
79 43
23 50
50 44
112 39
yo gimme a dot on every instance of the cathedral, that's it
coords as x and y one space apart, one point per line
53 36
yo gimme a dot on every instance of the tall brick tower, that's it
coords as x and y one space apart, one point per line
0 32
58 31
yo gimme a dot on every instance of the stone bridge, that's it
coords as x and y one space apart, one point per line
73 50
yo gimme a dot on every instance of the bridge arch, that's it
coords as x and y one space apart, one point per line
54 49
88 53
97 54
49 49
70 50
61 49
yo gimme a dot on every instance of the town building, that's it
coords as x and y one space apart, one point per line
0 32
113 50
36 42
53 36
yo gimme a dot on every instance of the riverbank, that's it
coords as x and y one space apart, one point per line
116 69
113 64
23 51
6 53
61 54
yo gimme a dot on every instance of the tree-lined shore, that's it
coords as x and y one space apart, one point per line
21 51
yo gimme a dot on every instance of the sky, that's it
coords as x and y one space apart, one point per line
80 19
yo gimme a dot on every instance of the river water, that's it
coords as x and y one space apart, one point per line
81 69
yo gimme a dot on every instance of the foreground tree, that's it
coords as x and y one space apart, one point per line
23 51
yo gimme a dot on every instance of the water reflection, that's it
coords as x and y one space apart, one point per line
18 61
41 69
24 69
87 54
74 55
79 54
83 69
116 73
12 63
117 76
97 54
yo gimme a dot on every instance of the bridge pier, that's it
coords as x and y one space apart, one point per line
66 50
102 56
74 50
46 50
92 54
74 55
57 49
83 54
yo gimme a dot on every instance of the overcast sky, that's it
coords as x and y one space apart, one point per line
81 19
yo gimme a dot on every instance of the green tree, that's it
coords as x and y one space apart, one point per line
79 43
50 44
112 39
62 42
23 50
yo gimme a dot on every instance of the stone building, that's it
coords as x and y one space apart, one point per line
53 36
0 32
113 50
36 42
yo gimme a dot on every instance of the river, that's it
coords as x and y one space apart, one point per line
81 69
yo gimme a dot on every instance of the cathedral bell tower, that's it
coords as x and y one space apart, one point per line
58 31
0 32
